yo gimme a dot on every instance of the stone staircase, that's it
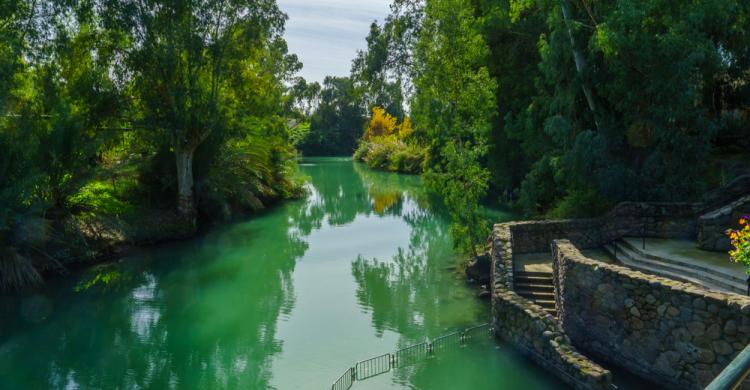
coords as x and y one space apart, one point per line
709 277
537 287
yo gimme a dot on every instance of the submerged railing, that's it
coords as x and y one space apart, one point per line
382 364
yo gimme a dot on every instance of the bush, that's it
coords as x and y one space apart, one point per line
740 240
389 146
391 154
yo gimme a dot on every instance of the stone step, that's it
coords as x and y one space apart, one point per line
716 272
533 279
545 303
533 287
533 295
673 271
533 274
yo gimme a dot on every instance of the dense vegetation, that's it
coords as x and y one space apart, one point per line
131 121
562 108
389 145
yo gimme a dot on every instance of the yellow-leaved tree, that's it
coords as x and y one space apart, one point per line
381 123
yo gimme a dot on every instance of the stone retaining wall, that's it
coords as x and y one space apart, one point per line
712 225
676 334
532 330
537 334
662 220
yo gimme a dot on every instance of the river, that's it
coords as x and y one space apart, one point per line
287 299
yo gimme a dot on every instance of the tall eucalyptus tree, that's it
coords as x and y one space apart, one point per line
183 55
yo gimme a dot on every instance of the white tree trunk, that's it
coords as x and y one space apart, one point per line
580 61
185 190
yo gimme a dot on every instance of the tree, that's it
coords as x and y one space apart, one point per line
338 122
181 55
453 108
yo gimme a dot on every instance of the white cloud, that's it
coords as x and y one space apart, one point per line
326 34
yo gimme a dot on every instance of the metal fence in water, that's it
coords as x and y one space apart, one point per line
448 341
412 354
373 366
405 356
345 382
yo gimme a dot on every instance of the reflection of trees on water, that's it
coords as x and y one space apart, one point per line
412 293
190 315
203 314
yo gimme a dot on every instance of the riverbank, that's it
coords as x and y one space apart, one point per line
87 238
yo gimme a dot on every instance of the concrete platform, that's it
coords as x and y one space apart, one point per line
681 260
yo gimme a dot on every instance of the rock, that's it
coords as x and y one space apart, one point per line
704 377
730 328
673 311
478 269
484 294
722 347
635 312
696 328
714 331
636 323
706 356
681 334
699 303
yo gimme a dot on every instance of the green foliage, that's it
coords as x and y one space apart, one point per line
298 133
104 197
618 101
389 145
452 108
391 154
337 123
99 102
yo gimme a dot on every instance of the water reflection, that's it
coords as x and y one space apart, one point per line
411 292
283 300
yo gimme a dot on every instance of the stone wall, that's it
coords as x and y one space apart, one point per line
712 225
673 333
532 330
662 220
537 334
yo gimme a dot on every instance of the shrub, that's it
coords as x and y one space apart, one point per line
740 240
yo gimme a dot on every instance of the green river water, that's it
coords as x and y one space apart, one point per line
288 299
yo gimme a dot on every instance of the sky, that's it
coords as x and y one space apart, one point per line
326 34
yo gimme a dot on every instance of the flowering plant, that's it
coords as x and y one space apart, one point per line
740 240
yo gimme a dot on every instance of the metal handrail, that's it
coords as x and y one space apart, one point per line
375 366
641 229
733 374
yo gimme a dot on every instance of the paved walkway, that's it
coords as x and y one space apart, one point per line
686 251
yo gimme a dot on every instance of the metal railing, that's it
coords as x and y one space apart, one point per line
640 229
732 376
412 354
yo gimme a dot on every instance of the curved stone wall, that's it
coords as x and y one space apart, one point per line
532 330
673 333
